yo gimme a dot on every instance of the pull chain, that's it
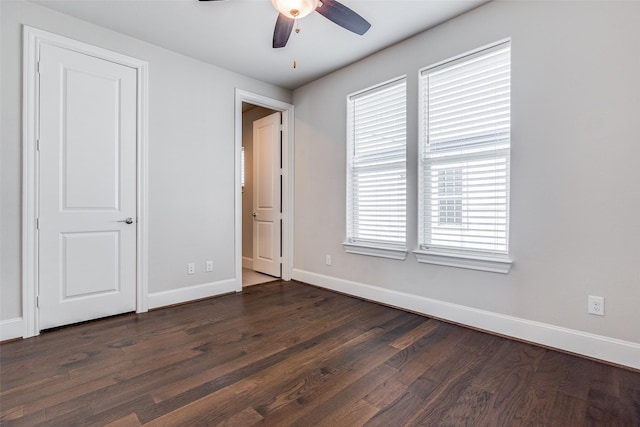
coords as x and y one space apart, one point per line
297 31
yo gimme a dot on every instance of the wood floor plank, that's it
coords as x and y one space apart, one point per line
12 413
518 370
346 391
568 411
395 414
415 334
385 392
69 393
414 360
630 406
130 420
28 420
289 354
448 380
351 414
90 416
472 405
248 417
539 399
576 379
208 410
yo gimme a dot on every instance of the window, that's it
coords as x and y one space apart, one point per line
450 196
376 176
465 150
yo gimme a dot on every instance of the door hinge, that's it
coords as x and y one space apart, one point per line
38 301
281 172
38 67
37 223
37 145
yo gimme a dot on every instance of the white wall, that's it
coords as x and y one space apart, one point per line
191 155
575 193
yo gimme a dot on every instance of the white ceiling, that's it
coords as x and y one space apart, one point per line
237 34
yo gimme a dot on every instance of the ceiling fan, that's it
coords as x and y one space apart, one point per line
334 11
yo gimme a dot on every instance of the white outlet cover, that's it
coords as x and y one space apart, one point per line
596 305
209 266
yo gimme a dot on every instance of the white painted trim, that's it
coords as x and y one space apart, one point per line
32 40
30 93
595 346
11 328
191 293
377 251
247 262
492 264
142 208
287 179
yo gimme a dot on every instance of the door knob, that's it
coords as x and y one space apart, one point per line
128 220
254 214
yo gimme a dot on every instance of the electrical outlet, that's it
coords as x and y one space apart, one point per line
596 305
327 259
191 268
209 266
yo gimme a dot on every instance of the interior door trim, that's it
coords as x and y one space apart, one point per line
33 39
287 111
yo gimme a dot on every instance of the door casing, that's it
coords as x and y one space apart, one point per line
33 39
287 189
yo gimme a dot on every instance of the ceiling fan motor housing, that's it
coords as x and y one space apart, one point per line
295 9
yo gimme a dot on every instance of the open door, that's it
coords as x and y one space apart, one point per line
267 214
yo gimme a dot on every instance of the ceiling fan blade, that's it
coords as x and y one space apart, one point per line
343 16
282 31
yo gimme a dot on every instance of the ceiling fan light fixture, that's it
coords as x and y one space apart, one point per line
295 9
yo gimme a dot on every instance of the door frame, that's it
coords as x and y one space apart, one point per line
33 39
287 190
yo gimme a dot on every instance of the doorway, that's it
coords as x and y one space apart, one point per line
261 152
252 108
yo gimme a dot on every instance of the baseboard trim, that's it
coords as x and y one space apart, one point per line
191 293
11 329
247 263
594 346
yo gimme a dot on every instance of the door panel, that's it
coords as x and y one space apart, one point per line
266 195
87 186
265 238
89 263
90 169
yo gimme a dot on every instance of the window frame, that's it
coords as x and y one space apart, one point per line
390 250
455 257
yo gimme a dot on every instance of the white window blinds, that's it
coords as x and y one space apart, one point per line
376 177
465 153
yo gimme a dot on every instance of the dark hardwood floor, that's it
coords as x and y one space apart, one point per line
284 354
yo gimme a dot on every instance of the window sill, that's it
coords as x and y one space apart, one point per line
377 251
494 264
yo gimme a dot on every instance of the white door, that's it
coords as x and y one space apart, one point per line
87 188
266 195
